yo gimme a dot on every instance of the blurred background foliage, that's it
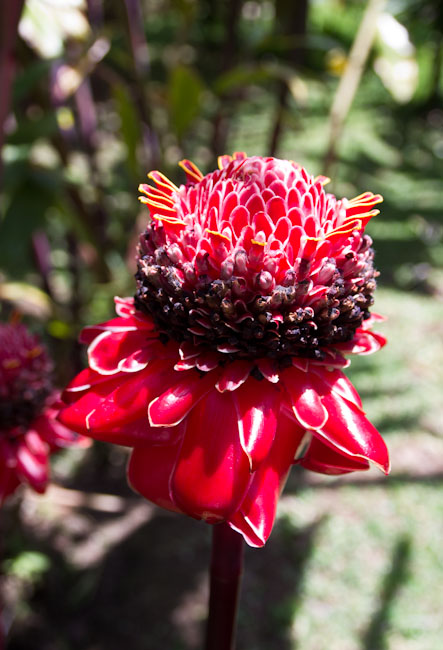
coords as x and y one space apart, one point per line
93 95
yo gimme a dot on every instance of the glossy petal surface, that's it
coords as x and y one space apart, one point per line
212 471
257 405
256 515
149 473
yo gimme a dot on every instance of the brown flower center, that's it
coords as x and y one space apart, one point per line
225 314
25 377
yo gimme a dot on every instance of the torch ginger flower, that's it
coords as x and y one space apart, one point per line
29 430
225 369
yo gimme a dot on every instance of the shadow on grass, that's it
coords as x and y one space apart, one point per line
272 587
400 422
150 591
127 600
375 635
299 480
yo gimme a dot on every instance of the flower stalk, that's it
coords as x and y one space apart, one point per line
2 622
226 572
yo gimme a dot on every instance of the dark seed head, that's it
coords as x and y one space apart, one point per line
280 322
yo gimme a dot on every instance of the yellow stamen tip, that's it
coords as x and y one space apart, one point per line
35 352
260 243
10 364
218 234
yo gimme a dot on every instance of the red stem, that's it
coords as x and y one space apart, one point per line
226 572
2 621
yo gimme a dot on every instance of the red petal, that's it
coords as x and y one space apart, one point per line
138 360
35 444
234 375
301 364
138 433
110 349
32 467
124 306
239 219
9 482
348 430
321 458
261 222
304 390
257 405
207 361
364 342
128 324
188 351
122 399
131 398
174 404
85 380
149 473
373 318
282 229
256 516
180 366
79 406
336 381
276 208
56 434
255 204
212 473
331 360
268 369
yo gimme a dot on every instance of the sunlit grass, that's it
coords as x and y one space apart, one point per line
373 577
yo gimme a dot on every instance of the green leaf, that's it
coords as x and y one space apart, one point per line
28 78
25 213
28 565
185 91
129 125
30 130
240 76
244 75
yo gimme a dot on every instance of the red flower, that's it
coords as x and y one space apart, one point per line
226 367
29 431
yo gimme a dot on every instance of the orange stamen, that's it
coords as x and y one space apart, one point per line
191 170
10 364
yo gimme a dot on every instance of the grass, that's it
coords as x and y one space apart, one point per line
373 579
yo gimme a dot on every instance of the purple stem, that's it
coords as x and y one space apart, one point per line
294 21
226 572
141 63
137 38
10 13
42 254
87 114
95 13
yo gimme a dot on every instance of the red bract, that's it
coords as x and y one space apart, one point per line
29 430
226 368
